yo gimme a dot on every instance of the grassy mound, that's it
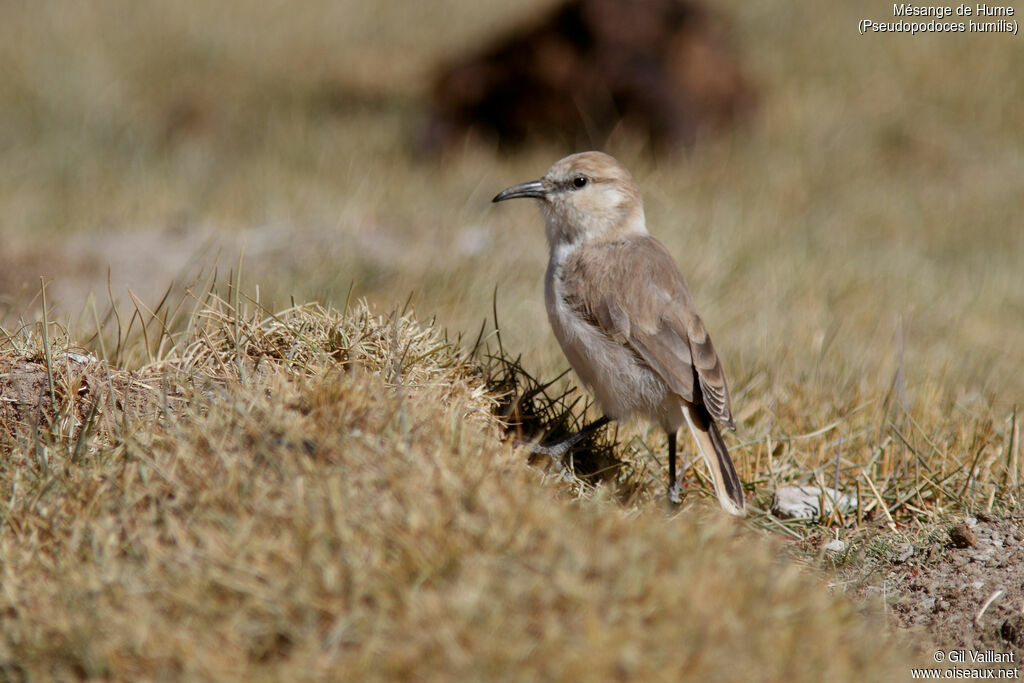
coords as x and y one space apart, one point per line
316 493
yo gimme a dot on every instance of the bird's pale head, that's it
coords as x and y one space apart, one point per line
584 196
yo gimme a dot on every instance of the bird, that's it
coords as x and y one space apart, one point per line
623 314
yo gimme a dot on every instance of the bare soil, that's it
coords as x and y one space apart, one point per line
962 589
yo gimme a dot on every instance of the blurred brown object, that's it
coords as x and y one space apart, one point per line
660 67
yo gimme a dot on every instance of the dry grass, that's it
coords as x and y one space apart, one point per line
318 493
854 249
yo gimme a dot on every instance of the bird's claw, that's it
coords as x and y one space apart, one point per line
675 494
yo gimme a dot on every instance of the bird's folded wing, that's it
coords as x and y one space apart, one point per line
642 301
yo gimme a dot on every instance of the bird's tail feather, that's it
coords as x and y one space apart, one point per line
712 448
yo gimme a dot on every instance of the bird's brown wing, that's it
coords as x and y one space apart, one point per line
634 291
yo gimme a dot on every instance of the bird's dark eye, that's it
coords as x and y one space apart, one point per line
579 181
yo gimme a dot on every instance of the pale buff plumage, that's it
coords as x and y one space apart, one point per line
623 314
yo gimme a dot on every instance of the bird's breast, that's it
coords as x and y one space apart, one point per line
620 381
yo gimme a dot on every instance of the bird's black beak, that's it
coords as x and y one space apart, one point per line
534 189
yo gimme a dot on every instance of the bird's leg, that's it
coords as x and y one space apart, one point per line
556 450
674 494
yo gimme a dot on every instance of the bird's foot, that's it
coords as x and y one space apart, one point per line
554 453
557 450
675 493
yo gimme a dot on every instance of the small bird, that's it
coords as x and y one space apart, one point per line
622 312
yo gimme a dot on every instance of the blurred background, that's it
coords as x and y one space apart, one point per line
842 206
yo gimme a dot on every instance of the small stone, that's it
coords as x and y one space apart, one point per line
804 502
80 358
1012 630
981 556
971 521
836 546
928 604
904 552
984 517
962 536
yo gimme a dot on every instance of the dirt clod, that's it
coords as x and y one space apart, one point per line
1012 630
962 536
